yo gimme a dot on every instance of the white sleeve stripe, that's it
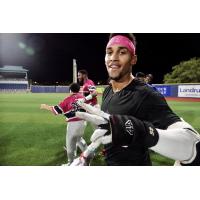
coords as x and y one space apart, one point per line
54 110
60 108
57 110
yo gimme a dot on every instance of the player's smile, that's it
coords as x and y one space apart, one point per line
114 69
114 66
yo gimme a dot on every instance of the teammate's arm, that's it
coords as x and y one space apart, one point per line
54 109
46 107
93 93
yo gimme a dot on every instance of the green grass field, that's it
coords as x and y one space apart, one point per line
33 137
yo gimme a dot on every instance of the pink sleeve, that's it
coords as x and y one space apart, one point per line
64 105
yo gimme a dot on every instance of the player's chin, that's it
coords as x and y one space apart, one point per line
115 77
114 74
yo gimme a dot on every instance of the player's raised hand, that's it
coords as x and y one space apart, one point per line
43 106
94 110
119 129
46 107
95 119
99 118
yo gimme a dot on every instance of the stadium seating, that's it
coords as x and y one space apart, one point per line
13 86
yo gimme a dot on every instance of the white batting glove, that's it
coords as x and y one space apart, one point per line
99 118
119 129
100 134
94 110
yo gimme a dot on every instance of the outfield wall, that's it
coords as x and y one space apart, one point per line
168 90
179 90
57 89
49 89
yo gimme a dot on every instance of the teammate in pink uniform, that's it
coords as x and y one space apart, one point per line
75 125
88 88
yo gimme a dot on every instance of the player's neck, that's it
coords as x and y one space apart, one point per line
85 80
74 93
119 85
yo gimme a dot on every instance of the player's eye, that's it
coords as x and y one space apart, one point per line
123 51
108 52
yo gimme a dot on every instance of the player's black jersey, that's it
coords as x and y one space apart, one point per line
143 102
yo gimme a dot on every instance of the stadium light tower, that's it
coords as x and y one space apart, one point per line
74 71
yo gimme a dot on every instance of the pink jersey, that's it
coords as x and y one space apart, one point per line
87 88
68 107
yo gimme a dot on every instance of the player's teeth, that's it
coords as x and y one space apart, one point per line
115 66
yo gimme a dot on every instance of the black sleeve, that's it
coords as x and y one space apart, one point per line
155 109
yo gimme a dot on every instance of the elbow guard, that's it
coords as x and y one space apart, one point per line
128 130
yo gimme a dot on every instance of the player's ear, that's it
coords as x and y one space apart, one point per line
134 60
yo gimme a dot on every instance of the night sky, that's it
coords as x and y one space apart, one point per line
48 57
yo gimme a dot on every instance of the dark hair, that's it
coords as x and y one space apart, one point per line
130 36
150 76
140 75
74 87
83 71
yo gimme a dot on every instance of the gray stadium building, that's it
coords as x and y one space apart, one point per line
13 78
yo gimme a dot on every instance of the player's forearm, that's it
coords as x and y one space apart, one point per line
91 96
46 107
94 93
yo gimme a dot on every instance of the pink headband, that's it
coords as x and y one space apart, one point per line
122 40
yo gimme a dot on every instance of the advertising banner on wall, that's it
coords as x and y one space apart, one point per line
189 91
164 90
